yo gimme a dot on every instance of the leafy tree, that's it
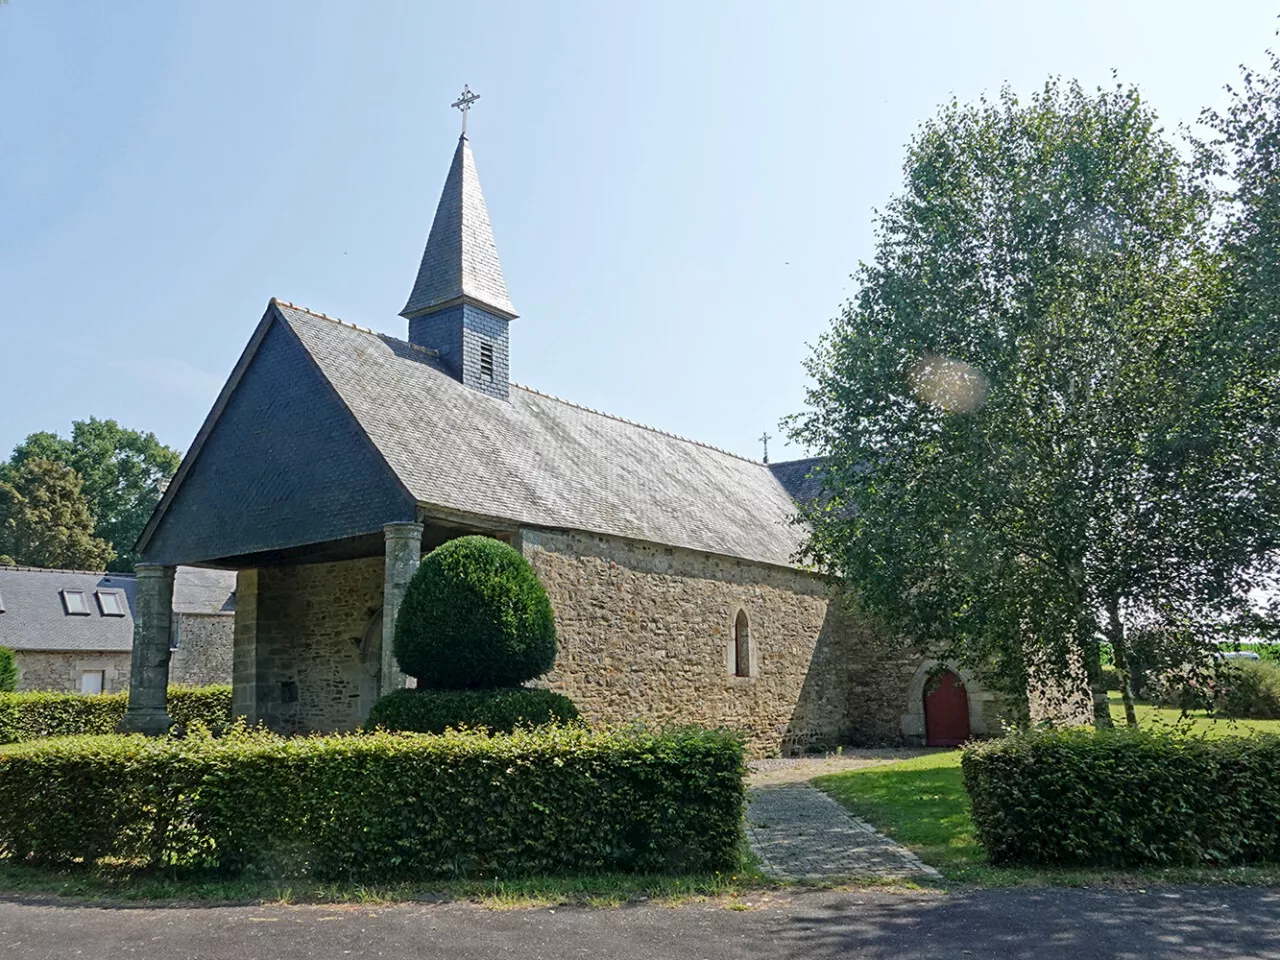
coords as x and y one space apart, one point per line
1042 426
45 519
124 474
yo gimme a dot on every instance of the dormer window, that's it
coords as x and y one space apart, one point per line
486 361
74 602
111 603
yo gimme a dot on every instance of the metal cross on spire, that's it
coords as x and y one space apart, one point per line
464 103
765 438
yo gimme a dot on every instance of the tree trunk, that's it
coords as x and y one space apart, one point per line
1120 650
1093 670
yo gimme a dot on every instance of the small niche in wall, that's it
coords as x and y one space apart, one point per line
288 691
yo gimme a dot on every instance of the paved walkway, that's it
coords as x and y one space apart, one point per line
1214 923
800 833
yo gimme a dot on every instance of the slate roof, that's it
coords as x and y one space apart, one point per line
34 617
541 461
205 592
460 261
801 478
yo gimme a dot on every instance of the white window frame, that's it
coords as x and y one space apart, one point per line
99 675
115 597
67 603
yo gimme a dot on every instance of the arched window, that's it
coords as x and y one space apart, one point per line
741 646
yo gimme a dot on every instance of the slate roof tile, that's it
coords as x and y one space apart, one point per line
461 258
540 461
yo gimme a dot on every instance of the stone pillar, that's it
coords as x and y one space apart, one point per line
152 631
244 649
403 554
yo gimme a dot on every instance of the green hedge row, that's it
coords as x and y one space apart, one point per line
31 716
381 805
1125 798
501 710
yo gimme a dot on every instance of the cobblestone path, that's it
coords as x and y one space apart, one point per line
802 834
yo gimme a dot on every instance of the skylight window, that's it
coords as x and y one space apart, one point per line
111 603
74 603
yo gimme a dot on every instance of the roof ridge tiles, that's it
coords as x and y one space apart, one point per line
24 568
784 463
354 326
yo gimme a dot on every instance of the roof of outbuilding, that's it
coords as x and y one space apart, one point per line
461 259
34 617
540 461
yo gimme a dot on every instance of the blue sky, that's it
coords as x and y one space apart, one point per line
679 191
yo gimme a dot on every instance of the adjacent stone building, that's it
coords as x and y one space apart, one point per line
336 455
72 630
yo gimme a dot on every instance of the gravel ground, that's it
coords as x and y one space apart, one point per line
803 769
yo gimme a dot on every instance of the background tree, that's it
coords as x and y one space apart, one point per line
45 519
1042 426
124 474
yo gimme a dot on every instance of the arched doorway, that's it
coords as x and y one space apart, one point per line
946 711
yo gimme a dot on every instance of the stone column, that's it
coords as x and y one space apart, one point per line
403 554
152 631
244 648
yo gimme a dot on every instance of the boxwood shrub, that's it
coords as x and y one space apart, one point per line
30 716
501 710
381 805
474 615
1125 798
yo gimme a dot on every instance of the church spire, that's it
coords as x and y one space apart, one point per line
460 263
459 305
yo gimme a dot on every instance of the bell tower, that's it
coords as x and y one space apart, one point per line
459 304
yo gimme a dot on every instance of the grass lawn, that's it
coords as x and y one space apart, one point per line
1149 716
922 804
106 882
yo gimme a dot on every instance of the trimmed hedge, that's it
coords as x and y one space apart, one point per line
473 616
381 805
31 716
501 710
1125 797
8 670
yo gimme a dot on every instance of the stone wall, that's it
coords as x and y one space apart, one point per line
308 644
204 644
60 672
646 631
203 657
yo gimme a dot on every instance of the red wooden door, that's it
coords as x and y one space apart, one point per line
946 712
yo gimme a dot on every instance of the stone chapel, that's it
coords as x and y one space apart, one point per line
336 456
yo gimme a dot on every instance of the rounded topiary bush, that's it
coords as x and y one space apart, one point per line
475 616
501 711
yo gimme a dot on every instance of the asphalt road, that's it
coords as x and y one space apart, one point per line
1031 924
